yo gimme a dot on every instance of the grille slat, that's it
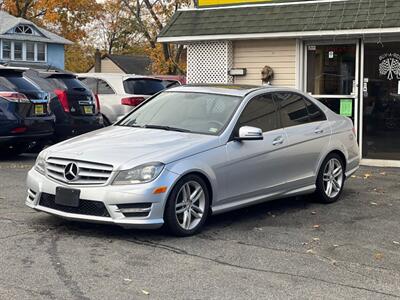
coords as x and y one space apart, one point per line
86 207
90 173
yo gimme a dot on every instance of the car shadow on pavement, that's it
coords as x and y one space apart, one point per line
28 157
253 216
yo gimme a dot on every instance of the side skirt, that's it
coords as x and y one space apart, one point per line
260 199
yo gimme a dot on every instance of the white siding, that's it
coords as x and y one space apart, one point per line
255 54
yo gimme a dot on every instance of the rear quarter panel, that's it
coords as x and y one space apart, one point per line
344 140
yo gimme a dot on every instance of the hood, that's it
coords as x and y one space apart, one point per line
127 147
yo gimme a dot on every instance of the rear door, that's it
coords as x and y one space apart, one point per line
110 100
308 132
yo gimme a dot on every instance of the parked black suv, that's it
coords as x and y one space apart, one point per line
76 108
25 118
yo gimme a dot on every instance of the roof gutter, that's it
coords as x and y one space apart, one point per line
273 35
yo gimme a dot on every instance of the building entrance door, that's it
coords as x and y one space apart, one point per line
381 101
332 76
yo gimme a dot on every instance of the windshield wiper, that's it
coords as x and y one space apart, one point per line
169 128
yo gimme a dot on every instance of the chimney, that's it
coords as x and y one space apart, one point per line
97 61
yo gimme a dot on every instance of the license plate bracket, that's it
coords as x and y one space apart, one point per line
88 109
67 197
39 109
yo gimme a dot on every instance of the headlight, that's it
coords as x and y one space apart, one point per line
40 163
141 174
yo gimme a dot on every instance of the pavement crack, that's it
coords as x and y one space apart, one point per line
221 262
61 272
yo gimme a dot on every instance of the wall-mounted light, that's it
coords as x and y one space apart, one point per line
237 72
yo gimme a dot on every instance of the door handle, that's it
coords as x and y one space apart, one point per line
278 141
318 131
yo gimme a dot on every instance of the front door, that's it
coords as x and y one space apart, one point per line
332 76
255 167
381 101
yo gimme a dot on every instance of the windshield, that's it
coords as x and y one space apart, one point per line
194 112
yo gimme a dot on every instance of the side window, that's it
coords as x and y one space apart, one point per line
91 83
293 110
316 115
260 112
104 88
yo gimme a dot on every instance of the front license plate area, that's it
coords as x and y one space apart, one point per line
39 109
67 197
88 109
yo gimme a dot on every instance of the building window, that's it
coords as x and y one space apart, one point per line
23 51
41 51
6 52
24 29
18 50
30 51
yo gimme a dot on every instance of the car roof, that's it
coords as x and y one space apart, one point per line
114 75
223 89
13 69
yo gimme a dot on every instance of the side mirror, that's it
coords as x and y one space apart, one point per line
249 133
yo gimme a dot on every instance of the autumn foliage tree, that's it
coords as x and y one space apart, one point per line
114 26
150 18
67 18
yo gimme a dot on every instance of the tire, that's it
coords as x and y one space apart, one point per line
330 185
187 218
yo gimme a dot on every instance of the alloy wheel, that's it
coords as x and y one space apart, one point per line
190 205
333 178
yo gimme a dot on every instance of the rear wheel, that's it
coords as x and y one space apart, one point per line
330 181
187 206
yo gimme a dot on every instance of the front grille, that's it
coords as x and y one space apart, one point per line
86 207
89 173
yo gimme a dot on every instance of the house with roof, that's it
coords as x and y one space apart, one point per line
22 43
345 53
125 64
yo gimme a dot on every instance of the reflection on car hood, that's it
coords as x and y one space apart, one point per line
127 147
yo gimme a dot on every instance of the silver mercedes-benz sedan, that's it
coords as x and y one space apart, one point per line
195 150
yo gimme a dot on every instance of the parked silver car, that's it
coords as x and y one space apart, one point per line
195 150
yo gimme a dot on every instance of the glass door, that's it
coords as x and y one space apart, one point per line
381 101
332 76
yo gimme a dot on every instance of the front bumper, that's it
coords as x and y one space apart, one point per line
113 197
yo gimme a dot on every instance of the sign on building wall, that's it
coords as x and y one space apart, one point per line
230 2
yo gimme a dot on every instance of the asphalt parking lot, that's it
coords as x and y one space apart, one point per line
287 249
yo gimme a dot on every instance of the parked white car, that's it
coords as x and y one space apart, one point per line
118 94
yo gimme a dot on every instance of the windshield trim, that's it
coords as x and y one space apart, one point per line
118 123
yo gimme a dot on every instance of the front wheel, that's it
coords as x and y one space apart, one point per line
330 179
187 206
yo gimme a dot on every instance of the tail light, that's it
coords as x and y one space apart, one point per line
63 98
96 98
132 101
14 97
19 130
